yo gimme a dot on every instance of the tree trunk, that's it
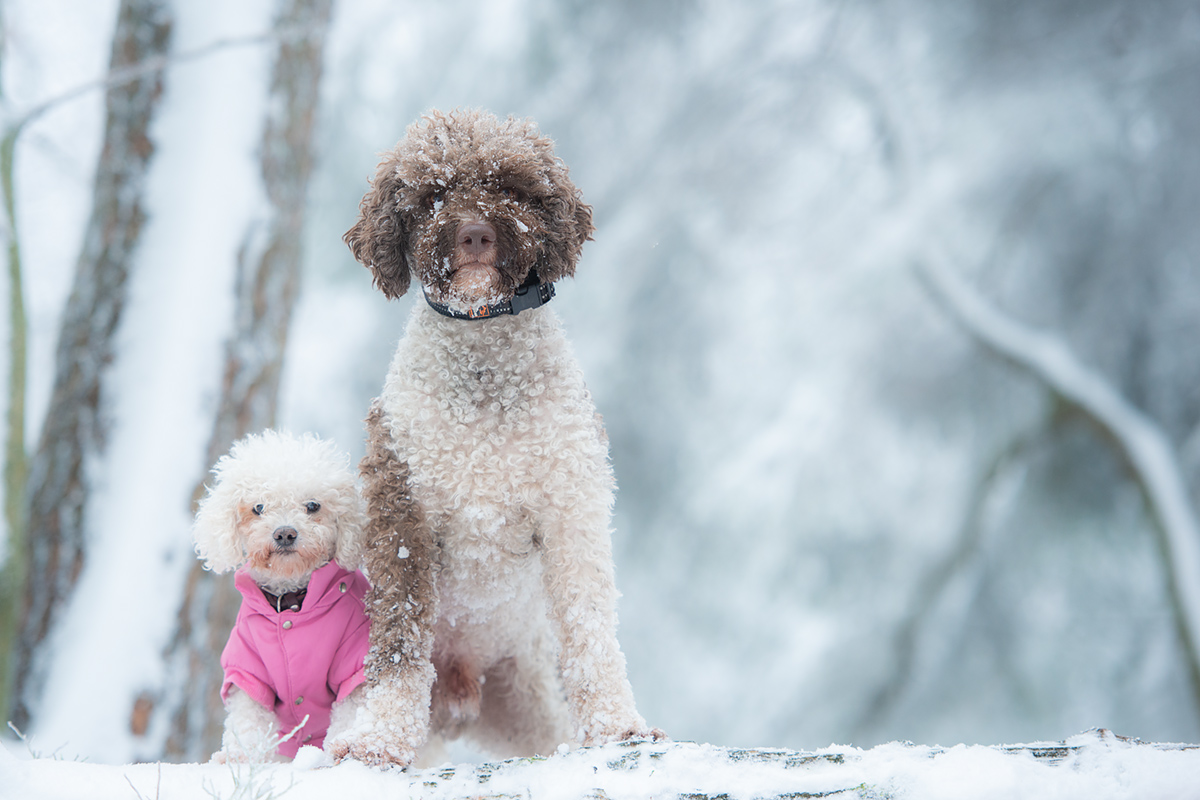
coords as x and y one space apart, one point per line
267 285
15 463
73 434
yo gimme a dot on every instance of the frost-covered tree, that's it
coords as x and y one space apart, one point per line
268 280
53 534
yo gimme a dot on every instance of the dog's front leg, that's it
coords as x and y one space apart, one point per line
393 719
578 576
251 731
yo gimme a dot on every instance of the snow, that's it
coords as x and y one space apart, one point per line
1095 765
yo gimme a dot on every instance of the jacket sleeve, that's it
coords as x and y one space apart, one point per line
244 668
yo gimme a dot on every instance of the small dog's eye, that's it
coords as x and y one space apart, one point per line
512 194
258 509
312 506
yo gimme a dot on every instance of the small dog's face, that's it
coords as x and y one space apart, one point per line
472 204
282 506
285 537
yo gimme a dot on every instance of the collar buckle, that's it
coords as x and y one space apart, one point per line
531 296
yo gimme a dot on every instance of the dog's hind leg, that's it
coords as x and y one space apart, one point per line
393 722
456 695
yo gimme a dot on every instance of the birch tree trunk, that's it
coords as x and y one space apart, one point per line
267 285
73 434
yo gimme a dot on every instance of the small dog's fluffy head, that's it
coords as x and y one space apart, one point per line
282 505
472 204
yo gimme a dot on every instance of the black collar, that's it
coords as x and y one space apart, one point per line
289 601
531 294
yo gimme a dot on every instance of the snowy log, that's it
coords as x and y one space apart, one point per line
1095 765
1141 441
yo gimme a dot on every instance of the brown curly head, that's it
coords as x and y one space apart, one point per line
472 204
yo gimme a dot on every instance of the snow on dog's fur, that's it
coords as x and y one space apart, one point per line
281 508
488 485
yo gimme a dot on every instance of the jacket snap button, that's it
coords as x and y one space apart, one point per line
287 623
299 700
343 586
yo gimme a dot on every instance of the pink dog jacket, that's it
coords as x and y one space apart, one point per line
299 662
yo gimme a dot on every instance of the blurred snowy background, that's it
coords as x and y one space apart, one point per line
840 519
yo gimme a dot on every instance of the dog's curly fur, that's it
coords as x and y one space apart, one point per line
487 478
453 167
266 482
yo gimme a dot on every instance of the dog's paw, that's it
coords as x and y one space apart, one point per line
637 731
645 734
230 757
372 750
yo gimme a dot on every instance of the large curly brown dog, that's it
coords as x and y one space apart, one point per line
487 478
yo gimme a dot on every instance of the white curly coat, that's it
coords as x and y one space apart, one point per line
509 464
265 482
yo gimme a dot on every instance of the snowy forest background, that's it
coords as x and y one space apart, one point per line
843 517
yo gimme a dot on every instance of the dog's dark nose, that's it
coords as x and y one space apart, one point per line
285 536
476 238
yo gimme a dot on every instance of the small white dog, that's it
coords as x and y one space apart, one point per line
285 512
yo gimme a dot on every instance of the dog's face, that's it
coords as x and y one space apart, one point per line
472 204
285 536
282 506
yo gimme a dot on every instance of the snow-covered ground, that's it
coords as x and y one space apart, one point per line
1094 765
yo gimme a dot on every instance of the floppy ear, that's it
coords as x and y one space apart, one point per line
352 526
215 530
379 238
583 224
571 227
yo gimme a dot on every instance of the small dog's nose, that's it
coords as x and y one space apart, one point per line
285 536
476 238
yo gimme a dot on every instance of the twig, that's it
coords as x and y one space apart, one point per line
157 786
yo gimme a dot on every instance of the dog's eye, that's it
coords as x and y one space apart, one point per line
512 193
433 200
312 506
258 509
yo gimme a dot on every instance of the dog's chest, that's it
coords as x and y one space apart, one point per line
488 560
484 413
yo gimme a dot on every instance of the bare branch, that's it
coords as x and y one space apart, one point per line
133 72
1140 440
